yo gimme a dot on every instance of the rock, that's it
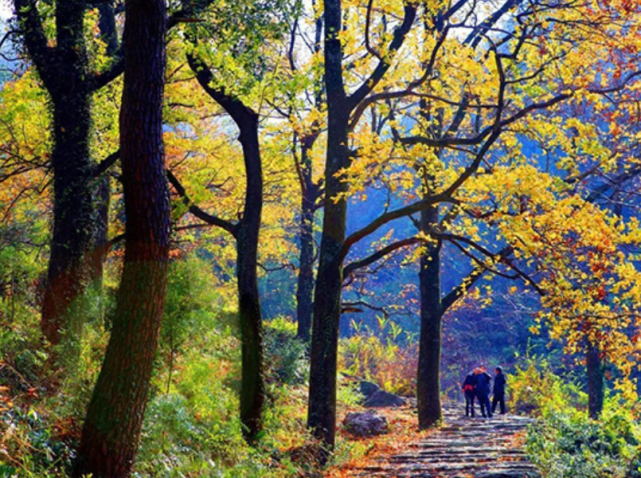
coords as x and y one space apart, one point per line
382 399
368 388
365 424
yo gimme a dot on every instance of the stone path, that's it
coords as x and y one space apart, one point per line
464 448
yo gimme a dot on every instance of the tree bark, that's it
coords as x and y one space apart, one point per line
73 214
596 385
112 428
73 206
252 395
327 299
63 70
305 281
429 361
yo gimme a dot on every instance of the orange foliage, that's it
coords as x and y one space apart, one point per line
403 430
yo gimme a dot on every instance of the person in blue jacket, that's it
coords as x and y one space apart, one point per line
482 390
499 390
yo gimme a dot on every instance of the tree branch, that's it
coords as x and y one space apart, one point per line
459 291
392 215
197 211
43 56
384 64
103 79
352 266
106 163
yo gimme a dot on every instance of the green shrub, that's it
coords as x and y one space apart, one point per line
381 357
570 445
535 389
285 357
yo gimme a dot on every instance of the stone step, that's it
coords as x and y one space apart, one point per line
462 448
456 457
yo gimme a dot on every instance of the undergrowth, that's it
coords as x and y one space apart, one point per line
191 427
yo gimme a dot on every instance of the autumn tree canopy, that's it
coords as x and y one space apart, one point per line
331 164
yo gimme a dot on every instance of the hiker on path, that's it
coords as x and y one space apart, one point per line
482 389
468 390
499 390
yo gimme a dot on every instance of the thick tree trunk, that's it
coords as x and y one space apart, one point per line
429 360
73 208
596 379
252 396
327 311
305 285
112 428
74 215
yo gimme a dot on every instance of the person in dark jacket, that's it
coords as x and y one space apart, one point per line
468 390
483 388
499 390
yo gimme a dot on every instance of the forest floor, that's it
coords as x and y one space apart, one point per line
461 448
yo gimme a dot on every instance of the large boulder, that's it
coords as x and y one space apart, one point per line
383 399
365 424
368 388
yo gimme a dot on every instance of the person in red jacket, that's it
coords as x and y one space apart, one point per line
468 389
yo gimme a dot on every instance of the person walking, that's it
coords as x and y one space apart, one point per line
482 389
499 390
468 390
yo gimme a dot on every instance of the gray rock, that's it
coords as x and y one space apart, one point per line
365 424
368 388
382 399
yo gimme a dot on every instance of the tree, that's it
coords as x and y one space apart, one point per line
245 232
302 106
476 100
327 300
64 70
114 418
347 171
246 229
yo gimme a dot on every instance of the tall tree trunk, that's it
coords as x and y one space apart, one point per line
305 284
74 215
64 71
429 359
73 208
596 381
102 188
309 195
252 396
321 418
327 298
112 428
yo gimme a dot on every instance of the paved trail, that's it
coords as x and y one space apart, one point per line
464 448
